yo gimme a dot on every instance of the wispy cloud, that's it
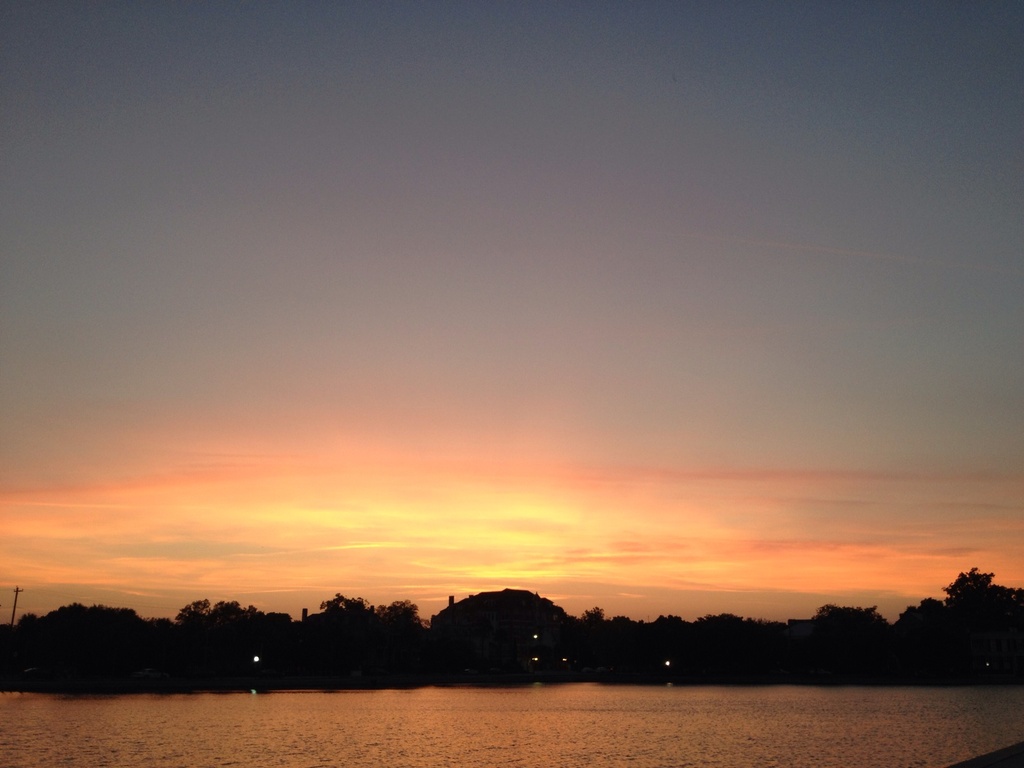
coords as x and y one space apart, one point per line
457 526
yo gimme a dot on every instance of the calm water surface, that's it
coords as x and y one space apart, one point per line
532 726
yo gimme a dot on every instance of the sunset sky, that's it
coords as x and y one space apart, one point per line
668 308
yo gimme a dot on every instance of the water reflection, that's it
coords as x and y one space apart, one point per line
540 725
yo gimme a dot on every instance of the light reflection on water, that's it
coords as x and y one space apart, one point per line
542 725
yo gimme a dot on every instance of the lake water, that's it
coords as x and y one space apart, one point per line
530 726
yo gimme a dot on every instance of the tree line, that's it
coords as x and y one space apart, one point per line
352 635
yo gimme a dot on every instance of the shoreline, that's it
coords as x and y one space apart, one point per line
331 683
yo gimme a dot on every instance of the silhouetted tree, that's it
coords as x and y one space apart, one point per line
346 635
850 640
19 645
194 655
977 603
934 637
164 645
732 644
231 613
588 638
404 635
671 640
195 614
573 642
76 640
929 640
223 638
617 644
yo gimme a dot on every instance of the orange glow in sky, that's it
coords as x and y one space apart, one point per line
287 535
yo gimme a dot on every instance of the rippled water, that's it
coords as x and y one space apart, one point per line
539 725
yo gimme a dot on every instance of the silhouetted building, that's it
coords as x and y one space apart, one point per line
513 628
998 652
799 629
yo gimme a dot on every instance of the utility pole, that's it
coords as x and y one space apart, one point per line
17 591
